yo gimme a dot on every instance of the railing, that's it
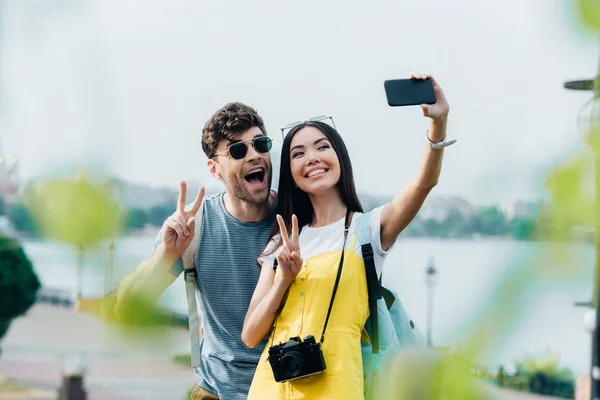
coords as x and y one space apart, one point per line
56 297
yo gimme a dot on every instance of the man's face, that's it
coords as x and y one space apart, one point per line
248 178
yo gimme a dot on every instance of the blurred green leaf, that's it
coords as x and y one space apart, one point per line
77 211
572 204
589 12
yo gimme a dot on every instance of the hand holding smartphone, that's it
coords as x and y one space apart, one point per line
409 92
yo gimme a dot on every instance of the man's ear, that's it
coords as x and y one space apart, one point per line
213 168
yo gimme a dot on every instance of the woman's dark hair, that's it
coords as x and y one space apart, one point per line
292 200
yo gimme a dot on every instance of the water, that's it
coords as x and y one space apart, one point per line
469 273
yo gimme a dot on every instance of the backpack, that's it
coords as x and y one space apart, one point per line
389 326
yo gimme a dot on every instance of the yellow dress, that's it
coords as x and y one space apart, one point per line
304 313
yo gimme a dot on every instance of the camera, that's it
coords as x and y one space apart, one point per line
296 359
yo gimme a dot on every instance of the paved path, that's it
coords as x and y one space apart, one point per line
132 364
503 394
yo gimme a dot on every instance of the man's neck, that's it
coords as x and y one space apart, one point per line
247 212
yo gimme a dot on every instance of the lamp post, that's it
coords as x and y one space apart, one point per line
114 193
109 270
80 251
589 127
431 279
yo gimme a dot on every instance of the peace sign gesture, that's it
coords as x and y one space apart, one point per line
288 257
178 229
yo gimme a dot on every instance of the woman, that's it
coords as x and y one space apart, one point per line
318 205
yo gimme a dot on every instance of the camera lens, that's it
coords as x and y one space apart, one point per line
291 363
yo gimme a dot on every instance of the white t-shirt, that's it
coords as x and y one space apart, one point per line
315 241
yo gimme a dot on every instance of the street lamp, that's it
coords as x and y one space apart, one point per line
431 277
589 127
109 270
80 251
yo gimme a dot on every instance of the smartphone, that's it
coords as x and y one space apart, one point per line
409 92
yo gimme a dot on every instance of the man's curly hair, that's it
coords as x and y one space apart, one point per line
231 119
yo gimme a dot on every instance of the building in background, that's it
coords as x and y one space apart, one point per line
9 180
522 209
439 208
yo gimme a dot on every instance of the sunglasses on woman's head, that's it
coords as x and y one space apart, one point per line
318 118
238 150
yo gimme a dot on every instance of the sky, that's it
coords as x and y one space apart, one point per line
123 88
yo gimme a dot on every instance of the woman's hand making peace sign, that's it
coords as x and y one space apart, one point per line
288 257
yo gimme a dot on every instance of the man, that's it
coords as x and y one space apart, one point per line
235 226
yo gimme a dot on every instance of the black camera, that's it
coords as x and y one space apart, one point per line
296 359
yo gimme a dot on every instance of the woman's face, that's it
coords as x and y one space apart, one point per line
315 165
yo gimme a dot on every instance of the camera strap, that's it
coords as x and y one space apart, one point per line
339 273
337 279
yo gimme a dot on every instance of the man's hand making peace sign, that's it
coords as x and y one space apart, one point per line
178 229
288 257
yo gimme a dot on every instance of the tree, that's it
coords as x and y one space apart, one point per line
522 229
21 219
433 228
18 283
457 225
136 218
490 221
158 214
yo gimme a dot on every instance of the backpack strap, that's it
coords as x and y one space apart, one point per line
190 276
189 255
363 234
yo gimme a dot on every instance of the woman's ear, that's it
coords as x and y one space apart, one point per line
213 168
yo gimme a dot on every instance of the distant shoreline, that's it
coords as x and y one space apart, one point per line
152 232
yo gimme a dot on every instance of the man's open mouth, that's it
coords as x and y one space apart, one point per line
255 175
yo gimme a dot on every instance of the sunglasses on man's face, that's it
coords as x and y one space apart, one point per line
238 150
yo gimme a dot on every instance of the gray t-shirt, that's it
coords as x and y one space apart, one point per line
228 271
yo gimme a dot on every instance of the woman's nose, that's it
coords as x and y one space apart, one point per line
313 158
